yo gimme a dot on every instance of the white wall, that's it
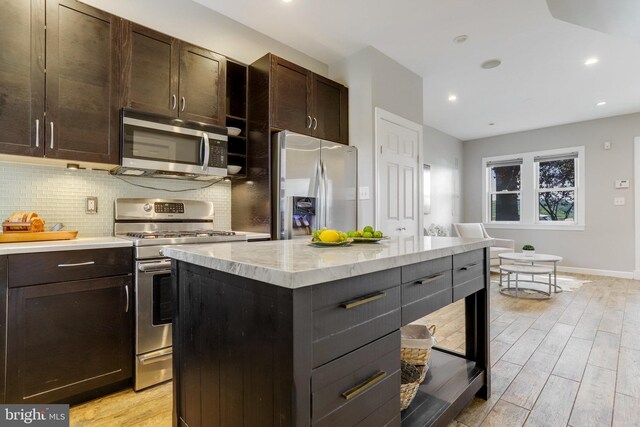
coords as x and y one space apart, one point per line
375 80
194 23
443 153
607 243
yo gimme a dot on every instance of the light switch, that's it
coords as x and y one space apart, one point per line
618 201
607 145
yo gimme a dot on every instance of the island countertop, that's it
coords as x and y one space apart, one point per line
295 264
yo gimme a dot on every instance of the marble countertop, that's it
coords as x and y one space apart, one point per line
295 264
64 245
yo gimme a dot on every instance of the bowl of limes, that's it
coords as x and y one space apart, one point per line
328 237
366 235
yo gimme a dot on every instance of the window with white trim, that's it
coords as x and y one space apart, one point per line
556 188
504 180
543 189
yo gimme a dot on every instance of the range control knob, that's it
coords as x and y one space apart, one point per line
147 207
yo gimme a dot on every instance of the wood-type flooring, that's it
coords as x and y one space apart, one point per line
573 361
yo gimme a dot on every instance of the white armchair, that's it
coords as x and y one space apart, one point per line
477 230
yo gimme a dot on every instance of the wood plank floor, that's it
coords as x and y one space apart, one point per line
570 361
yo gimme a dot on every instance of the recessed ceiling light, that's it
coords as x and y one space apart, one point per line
601 103
491 63
287 1
461 38
453 98
591 61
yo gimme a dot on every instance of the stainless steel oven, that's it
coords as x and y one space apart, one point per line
153 319
154 224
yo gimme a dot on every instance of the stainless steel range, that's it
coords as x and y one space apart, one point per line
154 224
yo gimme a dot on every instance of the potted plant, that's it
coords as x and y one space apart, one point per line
528 250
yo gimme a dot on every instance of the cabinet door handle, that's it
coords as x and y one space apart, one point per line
183 103
315 123
126 291
362 300
37 133
310 122
51 135
77 264
363 386
429 280
174 101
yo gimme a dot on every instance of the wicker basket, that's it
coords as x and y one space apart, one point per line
410 381
417 341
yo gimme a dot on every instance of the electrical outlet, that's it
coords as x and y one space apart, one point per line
618 201
363 194
92 205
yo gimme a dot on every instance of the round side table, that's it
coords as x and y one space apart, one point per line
532 260
517 269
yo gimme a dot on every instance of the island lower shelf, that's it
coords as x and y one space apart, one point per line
451 383
252 353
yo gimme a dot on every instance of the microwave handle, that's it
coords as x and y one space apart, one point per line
205 160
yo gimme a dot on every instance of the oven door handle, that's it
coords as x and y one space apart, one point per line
155 266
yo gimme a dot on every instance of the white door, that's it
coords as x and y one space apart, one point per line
399 143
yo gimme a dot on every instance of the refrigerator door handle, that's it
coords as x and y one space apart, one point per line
316 192
325 192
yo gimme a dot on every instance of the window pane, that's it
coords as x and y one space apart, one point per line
557 206
557 173
505 178
505 207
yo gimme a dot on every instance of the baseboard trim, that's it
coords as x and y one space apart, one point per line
596 272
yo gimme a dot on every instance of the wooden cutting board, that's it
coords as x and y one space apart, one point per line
37 237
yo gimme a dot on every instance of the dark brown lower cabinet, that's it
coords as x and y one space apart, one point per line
254 354
68 339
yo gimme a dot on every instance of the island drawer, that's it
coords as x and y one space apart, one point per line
349 324
467 258
349 389
51 267
421 270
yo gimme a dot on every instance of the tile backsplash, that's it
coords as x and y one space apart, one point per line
58 195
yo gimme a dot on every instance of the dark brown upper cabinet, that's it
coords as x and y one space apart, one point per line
167 76
304 102
79 120
151 81
22 77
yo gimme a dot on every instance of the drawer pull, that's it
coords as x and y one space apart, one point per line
469 266
78 264
362 300
363 386
429 280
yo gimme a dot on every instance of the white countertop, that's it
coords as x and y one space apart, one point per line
64 245
254 235
295 264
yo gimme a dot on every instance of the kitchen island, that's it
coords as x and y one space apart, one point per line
284 334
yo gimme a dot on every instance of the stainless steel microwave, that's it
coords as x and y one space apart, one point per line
164 147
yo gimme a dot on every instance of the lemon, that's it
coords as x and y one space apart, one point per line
329 236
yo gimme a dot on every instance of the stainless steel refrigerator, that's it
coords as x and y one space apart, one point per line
315 185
